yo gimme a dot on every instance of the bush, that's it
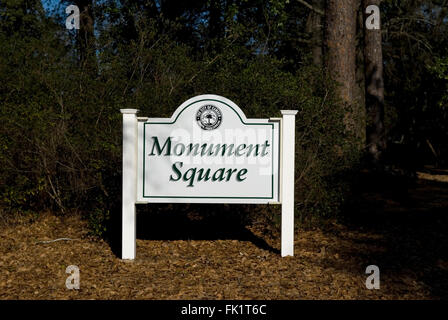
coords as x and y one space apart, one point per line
61 126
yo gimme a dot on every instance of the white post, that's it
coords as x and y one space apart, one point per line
287 181
129 193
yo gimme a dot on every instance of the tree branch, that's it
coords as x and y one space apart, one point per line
306 4
59 239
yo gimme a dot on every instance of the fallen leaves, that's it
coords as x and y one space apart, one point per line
179 269
327 264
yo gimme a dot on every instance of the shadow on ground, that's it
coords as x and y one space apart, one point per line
190 222
397 223
411 217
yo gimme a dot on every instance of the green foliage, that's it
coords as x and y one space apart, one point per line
440 70
60 138
97 221
415 42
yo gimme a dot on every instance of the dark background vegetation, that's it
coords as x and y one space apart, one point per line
61 91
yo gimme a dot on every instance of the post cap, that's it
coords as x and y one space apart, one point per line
129 111
289 112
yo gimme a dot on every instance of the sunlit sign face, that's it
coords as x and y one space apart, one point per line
208 151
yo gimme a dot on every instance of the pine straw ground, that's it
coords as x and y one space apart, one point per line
405 235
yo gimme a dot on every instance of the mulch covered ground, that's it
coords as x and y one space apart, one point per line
405 235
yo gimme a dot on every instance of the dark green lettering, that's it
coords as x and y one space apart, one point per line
202 176
220 177
265 145
240 175
176 170
189 176
252 147
229 173
157 145
240 148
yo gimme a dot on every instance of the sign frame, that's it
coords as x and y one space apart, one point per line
144 123
282 163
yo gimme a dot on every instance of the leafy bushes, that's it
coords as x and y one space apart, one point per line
61 127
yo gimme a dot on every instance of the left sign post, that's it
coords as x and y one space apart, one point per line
129 192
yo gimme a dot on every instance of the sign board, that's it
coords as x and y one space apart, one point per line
207 152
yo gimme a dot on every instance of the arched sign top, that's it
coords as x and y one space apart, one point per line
209 100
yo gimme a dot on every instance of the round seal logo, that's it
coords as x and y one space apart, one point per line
209 117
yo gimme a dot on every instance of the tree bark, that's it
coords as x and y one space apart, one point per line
86 37
373 59
314 27
341 59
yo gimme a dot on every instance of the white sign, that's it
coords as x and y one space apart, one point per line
208 152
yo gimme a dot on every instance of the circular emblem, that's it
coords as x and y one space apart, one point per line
209 117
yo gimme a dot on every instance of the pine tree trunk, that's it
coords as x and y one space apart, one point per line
314 27
341 60
373 59
86 37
